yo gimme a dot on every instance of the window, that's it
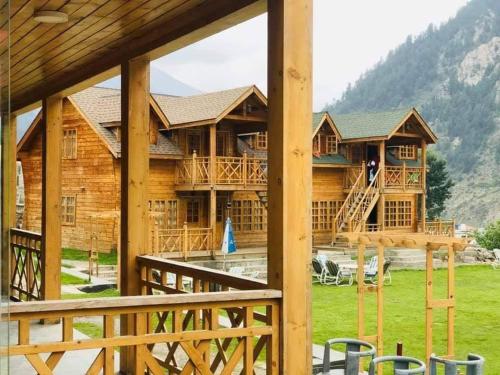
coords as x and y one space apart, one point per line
222 148
407 152
331 144
261 141
193 211
248 215
220 210
164 213
68 210
69 144
194 142
398 214
323 214
317 144
356 154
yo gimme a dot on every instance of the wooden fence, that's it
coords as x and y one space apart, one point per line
26 265
438 227
183 240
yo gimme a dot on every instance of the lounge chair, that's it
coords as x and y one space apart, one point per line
496 262
335 275
318 271
353 354
371 271
474 365
402 365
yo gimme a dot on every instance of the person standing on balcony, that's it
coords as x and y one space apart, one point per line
371 170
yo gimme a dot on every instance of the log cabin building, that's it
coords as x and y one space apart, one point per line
208 161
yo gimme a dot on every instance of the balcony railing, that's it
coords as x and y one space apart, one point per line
184 240
229 170
438 227
403 177
26 265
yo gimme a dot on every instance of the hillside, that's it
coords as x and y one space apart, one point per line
452 75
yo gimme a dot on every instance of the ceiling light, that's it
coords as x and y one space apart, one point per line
50 16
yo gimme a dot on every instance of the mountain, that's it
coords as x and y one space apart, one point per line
161 83
451 74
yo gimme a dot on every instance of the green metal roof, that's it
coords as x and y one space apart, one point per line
368 124
331 159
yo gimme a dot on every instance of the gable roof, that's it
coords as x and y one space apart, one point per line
99 106
377 124
204 108
319 118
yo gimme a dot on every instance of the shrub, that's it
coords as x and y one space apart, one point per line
490 237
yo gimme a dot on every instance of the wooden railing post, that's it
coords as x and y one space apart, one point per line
245 169
404 176
193 169
185 240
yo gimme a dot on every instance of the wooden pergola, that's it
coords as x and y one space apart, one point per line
107 37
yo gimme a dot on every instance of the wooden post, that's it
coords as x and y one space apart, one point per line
360 274
134 187
451 301
290 174
193 169
213 218
381 200
8 191
424 182
245 169
185 239
403 177
213 154
52 135
428 303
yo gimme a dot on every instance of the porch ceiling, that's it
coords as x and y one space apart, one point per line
100 34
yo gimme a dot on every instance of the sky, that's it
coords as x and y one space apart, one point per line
350 36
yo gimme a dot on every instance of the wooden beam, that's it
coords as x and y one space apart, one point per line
8 191
52 135
134 185
290 174
423 158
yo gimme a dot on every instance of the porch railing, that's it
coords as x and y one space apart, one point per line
182 333
26 265
351 176
438 227
183 240
228 170
403 177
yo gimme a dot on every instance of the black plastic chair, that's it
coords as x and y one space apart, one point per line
401 365
353 355
474 365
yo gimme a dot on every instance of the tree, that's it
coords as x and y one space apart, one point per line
439 185
490 237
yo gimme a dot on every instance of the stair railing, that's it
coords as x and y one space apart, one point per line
343 212
358 216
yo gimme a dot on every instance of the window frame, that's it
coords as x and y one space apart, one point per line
331 144
404 152
64 210
65 155
170 212
398 214
190 211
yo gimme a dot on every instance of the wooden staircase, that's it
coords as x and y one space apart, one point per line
357 207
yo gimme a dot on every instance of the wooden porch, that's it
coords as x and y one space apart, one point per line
162 303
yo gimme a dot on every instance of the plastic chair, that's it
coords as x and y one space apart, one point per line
401 365
353 354
474 365
335 275
318 271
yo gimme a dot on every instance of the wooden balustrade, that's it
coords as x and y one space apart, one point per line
438 227
183 240
351 175
229 170
221 332
358 217
26 265
403 177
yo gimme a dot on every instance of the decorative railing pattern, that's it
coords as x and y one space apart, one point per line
181 334
228 170
403 177
26 265
184 240
351 175
438 227
355 194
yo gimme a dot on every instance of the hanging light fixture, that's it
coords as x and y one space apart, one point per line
50 16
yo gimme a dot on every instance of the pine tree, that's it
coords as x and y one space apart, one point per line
439 185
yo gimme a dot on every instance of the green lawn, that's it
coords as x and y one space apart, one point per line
477 313
103 294
67 279
75 254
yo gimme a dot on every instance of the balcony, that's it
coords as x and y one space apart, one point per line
229 173
404 178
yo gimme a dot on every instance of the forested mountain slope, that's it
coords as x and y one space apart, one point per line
452 75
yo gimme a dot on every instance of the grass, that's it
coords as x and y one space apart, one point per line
67 279
104 294
75 254
477 321
92 330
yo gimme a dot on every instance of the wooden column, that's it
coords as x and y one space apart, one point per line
381 201
51 197
134 186
290 174
423 158
8 191
213 193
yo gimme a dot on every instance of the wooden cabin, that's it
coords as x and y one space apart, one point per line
189 195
